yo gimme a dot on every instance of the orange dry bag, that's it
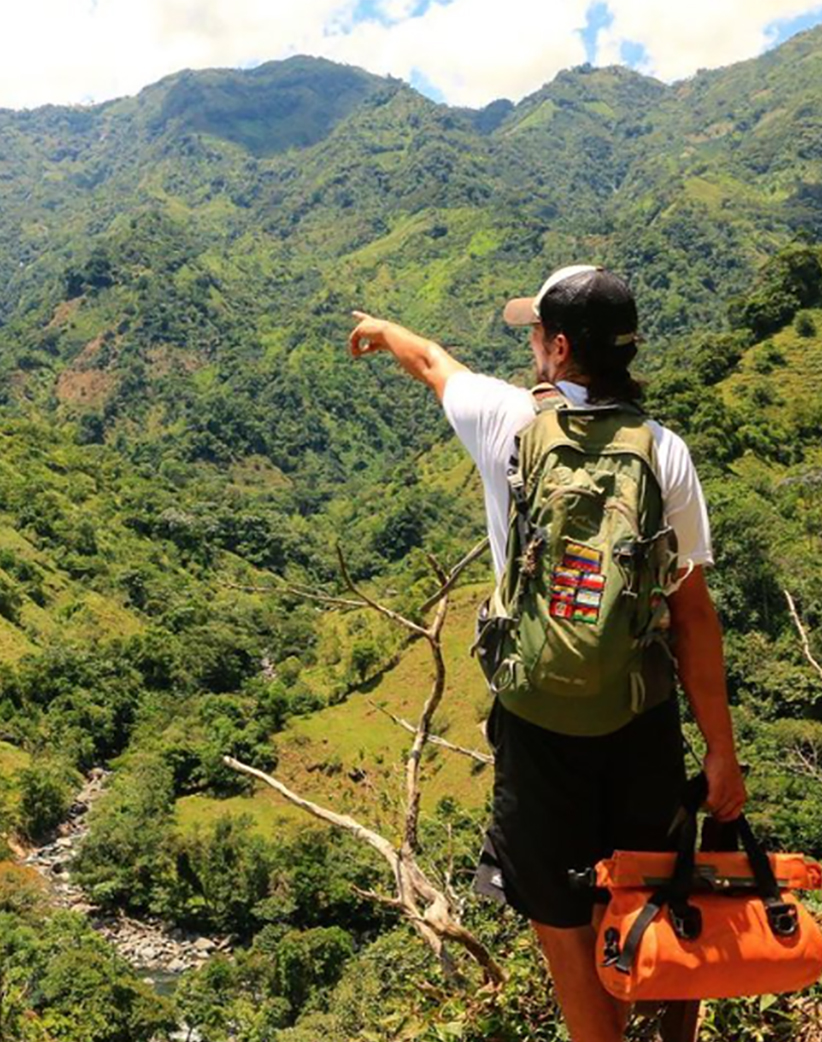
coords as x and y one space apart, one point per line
707 926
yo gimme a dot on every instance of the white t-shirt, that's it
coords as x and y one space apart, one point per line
487 413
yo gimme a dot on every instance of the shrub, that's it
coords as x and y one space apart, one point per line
45 796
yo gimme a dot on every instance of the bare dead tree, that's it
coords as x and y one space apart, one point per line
432 911
803 636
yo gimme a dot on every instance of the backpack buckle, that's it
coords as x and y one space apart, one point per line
529 562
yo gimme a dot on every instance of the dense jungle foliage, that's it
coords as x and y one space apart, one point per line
185 440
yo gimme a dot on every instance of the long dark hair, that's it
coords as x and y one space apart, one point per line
604 364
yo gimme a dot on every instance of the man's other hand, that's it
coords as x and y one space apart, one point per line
726 786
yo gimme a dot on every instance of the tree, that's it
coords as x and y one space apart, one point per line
434 912
232 867
46 791
128 856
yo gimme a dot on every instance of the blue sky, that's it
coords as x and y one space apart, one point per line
464 52
635 54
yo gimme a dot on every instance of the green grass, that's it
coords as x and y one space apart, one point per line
12 760
793 380
541 116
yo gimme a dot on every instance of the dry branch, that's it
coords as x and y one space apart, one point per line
380 608
454 574
296 591
434 739
432 912
341 821
803 636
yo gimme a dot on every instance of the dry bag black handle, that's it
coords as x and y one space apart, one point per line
686 918
694 796
782 917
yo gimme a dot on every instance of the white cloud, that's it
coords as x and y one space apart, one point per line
473 51
69 50
680 38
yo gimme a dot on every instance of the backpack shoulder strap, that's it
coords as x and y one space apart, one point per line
548 397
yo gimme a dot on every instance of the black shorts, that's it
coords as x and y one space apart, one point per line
563 802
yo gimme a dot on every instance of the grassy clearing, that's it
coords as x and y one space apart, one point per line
791 365
350 757
539 117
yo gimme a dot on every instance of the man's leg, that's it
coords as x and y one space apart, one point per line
590 1013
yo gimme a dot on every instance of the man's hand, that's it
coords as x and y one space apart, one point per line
368 335
423 359
726 786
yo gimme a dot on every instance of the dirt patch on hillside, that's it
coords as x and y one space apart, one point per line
86 387
163 359
85 360
63 312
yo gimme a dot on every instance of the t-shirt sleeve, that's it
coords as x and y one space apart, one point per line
486 414
685 508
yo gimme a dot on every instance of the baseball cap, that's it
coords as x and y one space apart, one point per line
580 297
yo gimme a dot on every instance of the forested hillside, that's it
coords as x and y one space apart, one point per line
186 441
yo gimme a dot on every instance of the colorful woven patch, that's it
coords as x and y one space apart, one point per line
590 598
583 614
577 555
562 609
577 585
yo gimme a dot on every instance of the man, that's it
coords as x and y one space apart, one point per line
562 801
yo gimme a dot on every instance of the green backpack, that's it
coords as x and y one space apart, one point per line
575 637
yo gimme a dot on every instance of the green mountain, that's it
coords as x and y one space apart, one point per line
186 439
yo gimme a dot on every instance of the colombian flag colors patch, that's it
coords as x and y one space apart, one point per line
577 585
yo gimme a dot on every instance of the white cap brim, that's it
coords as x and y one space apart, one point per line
524 311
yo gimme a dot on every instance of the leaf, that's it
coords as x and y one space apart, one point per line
766 1001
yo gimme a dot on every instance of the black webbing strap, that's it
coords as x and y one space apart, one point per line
686 919
783 918
653 907
516 485
760 863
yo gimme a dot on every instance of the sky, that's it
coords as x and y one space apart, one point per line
464 52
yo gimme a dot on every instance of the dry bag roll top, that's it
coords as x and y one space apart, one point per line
575 637
707 925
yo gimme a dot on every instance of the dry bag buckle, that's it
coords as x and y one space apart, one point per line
686 920
782 919
612 951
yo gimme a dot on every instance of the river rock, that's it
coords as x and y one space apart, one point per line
146 943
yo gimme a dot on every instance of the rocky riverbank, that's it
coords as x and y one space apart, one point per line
148 944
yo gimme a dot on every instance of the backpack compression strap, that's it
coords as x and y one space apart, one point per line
546 397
